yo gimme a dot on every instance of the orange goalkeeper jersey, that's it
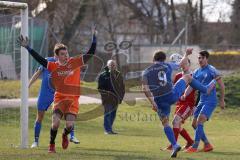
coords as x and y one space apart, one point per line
66 78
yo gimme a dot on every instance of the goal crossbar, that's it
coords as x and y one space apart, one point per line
16 5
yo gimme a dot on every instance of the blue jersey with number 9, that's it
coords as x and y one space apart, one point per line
158 78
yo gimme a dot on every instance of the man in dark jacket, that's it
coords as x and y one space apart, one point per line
112 90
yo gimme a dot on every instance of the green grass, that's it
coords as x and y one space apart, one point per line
11 88
140 136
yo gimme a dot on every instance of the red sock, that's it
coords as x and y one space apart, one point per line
186 136
176 133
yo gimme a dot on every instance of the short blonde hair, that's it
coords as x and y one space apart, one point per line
58 47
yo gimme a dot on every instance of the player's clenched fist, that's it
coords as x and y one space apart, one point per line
189 51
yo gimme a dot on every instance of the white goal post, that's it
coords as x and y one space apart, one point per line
24 69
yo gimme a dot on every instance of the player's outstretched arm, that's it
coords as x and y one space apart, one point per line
92 49
34 77
24 42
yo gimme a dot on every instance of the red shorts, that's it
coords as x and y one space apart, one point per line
66 104
184 110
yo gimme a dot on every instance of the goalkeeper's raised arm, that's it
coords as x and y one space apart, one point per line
24 42
92 49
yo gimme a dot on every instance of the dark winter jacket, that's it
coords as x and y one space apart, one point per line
111 87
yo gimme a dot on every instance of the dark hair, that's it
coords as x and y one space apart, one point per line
159 56
58 47
204 53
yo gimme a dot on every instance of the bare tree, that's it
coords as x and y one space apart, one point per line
193 22
108 14
174 18
200 26
70 28
235 22
152 14
63 19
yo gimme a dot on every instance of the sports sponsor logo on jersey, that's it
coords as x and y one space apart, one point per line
65 73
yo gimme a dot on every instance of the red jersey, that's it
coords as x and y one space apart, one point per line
190 99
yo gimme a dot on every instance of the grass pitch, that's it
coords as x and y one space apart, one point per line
140 136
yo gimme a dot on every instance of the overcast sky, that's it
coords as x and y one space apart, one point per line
214 10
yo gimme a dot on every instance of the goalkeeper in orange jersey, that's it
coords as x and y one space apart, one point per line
65 76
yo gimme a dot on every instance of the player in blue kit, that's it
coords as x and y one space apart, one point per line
207 103
45 99
158 88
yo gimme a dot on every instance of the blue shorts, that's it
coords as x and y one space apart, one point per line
44 100
205 108
164 102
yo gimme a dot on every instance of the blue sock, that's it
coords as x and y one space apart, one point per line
195 84
72 132
204 138
170 135
37 129
195 144
198 135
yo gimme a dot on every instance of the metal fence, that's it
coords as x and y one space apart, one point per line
10 57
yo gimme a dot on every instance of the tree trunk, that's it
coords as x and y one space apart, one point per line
174 18
193 23
72 28
200 26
